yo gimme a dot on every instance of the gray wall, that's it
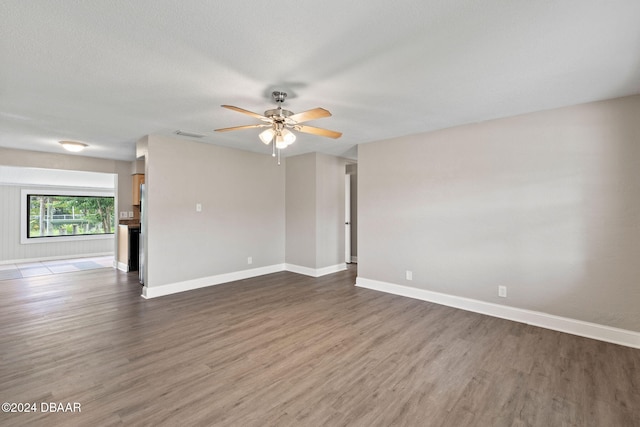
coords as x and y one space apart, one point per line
330 199
315 210
243 210
301 210
10 249
546 204
36 159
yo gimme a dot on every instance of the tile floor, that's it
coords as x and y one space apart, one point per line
31 269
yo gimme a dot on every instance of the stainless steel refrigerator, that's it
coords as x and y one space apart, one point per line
143 232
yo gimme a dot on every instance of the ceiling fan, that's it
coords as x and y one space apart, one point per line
279 121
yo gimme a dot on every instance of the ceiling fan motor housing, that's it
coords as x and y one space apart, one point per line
279 96
278 113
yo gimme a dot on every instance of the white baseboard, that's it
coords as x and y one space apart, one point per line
54 258
122 266
202 282
534 318
315 272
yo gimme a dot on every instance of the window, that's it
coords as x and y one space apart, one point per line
50 215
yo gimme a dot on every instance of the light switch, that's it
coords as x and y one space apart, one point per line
198 207
130 214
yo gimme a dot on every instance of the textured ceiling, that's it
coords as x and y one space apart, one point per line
108 72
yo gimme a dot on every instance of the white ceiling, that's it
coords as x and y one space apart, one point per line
108 72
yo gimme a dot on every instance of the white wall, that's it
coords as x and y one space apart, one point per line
547 204
243 212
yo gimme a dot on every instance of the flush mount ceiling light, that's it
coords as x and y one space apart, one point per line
280 121
73 146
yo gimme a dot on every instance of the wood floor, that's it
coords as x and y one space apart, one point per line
286 349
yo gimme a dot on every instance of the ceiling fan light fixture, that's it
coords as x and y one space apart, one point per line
280 142
73 146
267 136
288 136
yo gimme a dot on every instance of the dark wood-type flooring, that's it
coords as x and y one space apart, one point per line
286 349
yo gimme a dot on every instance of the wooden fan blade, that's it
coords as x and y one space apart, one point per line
305 116
242 127
318 131
247 112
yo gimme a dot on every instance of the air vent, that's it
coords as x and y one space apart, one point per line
189 134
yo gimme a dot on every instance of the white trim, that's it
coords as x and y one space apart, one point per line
203 282
307 271
64 238
58 178
122 266
54 258
315 272
534 318
354 259
331 269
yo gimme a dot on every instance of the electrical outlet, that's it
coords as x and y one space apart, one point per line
250 260
409 275
502 291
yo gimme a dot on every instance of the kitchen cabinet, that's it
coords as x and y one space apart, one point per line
138 179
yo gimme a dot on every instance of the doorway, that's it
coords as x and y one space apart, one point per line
351 214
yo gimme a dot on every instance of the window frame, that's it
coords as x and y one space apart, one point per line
24 215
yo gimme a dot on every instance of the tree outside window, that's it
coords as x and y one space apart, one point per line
52 216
